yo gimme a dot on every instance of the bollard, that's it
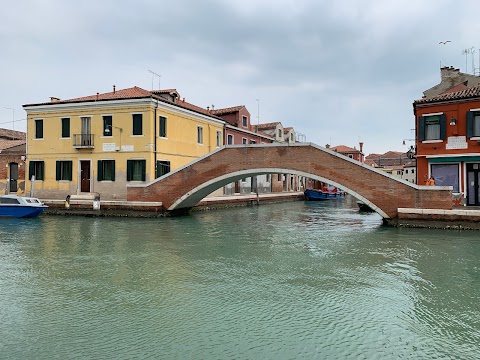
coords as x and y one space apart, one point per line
96 202
67 202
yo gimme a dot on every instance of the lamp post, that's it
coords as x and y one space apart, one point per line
13 117
107 130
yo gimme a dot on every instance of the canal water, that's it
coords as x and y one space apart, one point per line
299 280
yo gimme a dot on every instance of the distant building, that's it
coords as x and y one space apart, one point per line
352 153
390 158
12 161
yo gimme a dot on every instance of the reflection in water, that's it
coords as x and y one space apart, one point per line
295 280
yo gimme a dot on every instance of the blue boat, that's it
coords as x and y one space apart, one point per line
315 195
20 206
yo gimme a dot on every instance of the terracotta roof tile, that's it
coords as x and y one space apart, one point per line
457 95
344 149
227 110
132 93
267 126
12 134
7 144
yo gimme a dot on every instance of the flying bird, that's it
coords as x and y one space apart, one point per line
444 42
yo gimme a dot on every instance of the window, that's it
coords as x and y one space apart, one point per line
64 170
219 138
65 127
279 133
229 139
473 124
406 171
106 170
413 171
279 178
107 126
163 167
162 125
446 175
291 137
136 170
432 127
268 178
244 140
36 168
39 129
244 121
253 142
137 124
199 135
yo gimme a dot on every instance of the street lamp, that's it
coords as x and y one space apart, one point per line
107 130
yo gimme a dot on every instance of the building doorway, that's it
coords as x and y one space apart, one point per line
473 184
84 175
13 185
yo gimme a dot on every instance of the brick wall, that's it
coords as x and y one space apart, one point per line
383 191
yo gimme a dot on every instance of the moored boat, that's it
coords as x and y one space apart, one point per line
316 194
20 206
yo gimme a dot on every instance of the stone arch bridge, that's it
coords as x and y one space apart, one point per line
186 186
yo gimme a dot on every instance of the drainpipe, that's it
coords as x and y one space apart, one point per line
155 140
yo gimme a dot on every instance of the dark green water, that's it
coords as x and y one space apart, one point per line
288 281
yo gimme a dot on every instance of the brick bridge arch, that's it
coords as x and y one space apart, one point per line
186 186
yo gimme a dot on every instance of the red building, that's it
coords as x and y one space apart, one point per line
352 153
238 129
448 141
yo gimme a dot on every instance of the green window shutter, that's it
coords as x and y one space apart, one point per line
100 170
421 128
113 170
107 126
39 129
41 166
443 126
69 170
129 170
65 127
144 168
137 124
469 124
163 126
59 168
30 169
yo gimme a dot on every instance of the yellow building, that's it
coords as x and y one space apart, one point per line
102 143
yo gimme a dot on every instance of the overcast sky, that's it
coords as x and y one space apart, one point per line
339 72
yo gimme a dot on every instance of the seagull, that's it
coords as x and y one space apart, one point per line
444 42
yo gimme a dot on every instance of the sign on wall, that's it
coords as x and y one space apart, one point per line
108 147
456 142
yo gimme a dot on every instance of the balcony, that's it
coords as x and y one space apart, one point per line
83 141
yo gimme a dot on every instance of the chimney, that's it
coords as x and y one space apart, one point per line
183 100
361 146
114 89
449 72
54 99
97 95
213 107
327 146
208 108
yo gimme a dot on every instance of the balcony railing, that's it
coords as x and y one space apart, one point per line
83 141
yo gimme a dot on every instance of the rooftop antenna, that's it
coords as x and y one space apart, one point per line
472 49
258 111
153 77
466 52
